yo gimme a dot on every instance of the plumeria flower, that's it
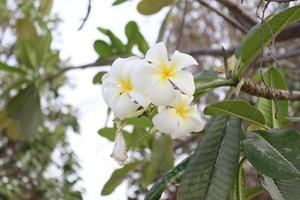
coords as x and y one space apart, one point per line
120 148
118 91
158 76
179 118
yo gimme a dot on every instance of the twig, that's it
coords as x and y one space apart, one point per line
181 28
225 17
281 1
86 16
211 52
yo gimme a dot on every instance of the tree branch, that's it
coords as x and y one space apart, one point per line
269 93
86 16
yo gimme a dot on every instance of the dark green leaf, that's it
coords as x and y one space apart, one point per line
98 78
212 170
117 177
205 75
102 48
117 2
118 47
274 153
251 45
238 108
8 68
158 188
134 36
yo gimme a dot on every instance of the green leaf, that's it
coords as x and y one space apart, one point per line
162 162
158 188
142 122
149 7
211 172
274 153
108 133
134 36
8 68
22 115
102 48
238 191
26 29
253 192
118 47
98 78
274 79
117 177
45 6
236 108
205 75
283 189
118 2
251 45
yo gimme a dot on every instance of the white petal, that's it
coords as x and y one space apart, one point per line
109 93
184 81
142 100
166 121
123 67
181 99
162 93
144 78
157 54
195 119
123 106
120 149
182 60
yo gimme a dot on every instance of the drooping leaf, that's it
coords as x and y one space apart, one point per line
238 108
149 7
157 189
102 48
22 115
117 177
212 170
274 153
283 189
251 45
98 78
275 112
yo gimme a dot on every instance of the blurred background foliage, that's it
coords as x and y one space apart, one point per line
34 120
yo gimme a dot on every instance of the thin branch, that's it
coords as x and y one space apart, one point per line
86 16
281 1
181 28
211 52
225 17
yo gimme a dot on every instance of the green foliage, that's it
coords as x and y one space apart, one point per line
149 7
238 108
22 114
117 177
12 69
275 112
274 152
211 172
205 75
253 192
98 78
116 47
251 45
157 189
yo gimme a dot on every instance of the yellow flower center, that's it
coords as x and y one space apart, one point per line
166 71
126 85
182 110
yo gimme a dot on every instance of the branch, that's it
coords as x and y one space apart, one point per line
225 17
211 52
86 16
269 93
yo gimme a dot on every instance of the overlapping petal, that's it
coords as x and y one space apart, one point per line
157 54
184 81
182 60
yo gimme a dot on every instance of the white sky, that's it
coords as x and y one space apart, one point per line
92 150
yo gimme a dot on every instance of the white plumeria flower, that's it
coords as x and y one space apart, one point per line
158 75
117 88
120 148
180 118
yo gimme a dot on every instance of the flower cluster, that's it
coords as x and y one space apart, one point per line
133 83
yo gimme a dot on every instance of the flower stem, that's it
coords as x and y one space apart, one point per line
215 84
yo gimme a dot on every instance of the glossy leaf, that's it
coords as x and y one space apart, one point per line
274 152
238 108
250 46
149 7
158 188
117 177
275 114
211 172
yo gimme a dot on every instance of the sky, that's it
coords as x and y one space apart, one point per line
93 151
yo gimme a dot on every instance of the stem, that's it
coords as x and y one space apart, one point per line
215 84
